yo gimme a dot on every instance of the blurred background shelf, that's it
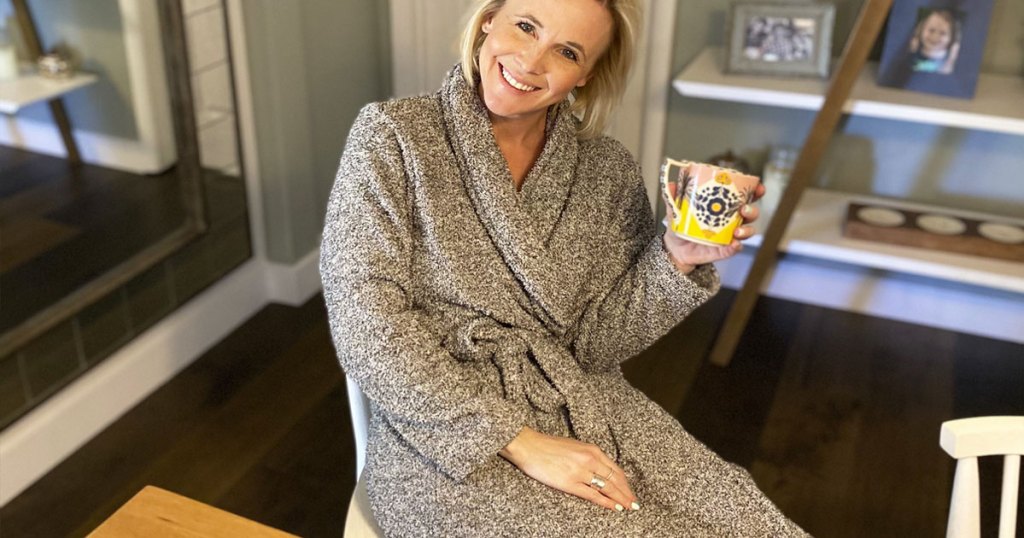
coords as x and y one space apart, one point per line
815 231
995 107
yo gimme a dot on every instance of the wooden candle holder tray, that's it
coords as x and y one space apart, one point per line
1002 239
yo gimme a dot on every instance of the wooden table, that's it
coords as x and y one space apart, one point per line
158 513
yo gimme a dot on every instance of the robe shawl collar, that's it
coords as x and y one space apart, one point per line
521 224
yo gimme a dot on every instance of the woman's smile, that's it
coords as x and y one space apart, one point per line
515 83
536 52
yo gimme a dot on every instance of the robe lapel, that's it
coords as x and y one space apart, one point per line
545 192
519 224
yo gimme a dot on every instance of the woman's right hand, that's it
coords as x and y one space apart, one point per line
569 465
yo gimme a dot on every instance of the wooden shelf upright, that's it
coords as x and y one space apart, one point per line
858 46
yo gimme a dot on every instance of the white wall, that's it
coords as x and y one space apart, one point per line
313 64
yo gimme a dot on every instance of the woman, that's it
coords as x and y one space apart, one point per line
488 261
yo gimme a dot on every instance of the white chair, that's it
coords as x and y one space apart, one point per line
966 440
359 522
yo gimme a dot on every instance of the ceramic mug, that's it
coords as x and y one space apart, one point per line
705 200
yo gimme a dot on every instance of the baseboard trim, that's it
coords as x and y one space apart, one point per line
293 284
48 434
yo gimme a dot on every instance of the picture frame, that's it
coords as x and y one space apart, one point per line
935 46
780 39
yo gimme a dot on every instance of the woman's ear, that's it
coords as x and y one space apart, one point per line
487 25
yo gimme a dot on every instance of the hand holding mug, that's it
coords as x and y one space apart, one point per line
708 210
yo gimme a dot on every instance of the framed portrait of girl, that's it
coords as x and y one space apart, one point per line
935 46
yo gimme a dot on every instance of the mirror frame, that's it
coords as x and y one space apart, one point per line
189 174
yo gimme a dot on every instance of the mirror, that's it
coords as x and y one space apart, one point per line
111 212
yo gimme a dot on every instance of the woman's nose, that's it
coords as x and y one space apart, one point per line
531 59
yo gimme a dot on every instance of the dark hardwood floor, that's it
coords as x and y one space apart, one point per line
836 415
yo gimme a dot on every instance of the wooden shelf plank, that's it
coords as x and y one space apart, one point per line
30 88
815 231
995 106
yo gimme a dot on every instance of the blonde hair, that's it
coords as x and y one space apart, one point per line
593 102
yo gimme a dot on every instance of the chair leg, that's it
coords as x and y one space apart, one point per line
964 508
1008 505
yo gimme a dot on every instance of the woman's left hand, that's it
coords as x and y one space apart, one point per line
686 255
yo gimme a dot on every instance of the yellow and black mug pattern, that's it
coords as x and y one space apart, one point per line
705 200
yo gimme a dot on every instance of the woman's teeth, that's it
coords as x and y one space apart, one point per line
515 83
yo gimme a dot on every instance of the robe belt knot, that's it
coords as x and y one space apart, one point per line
535 367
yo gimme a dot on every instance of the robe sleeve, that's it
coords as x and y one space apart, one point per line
648 298
440 406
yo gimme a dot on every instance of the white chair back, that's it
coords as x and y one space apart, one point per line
359 408
966 440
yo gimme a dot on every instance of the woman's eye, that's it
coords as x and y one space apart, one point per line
570 54
525 26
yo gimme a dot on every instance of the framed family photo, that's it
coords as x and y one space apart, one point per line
780 39
935 46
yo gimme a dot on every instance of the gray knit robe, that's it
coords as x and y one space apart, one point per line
466 310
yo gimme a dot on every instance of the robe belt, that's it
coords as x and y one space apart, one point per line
536 367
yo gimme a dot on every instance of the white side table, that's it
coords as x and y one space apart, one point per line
30 88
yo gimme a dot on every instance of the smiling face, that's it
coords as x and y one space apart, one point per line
536 52
935 36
